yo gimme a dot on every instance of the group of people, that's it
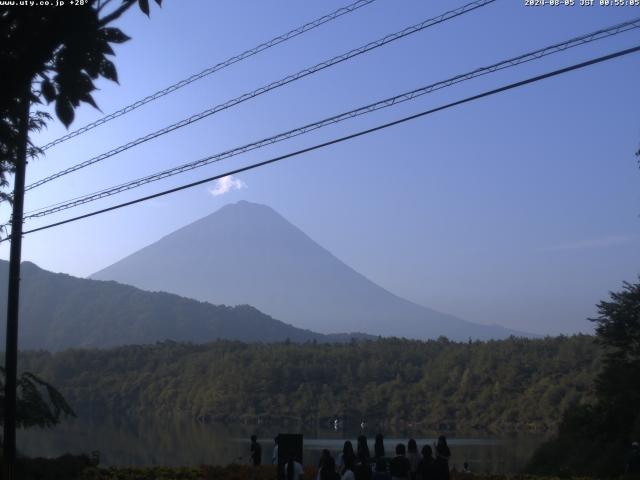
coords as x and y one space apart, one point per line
407 464
358 464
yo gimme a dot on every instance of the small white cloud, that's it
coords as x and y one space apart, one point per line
609 241
226 184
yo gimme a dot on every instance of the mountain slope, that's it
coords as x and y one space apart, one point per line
246 253
59 311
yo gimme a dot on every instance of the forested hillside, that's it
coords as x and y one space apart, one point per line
494 386
59 311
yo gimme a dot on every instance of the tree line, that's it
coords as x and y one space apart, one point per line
497 386
600 437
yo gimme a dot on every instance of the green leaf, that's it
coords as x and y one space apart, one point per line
144 6
48 90
114 35
64 111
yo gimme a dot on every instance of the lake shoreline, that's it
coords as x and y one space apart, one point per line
151 442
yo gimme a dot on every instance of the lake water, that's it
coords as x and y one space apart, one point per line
184 442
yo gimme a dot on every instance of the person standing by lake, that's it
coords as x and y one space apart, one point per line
381 472
327 467
362 469
362 450
348 467
399 466
324 456
426 467
442 449
347 453
256 451
274 455
633 463
413 456
293 469
441 463
378 448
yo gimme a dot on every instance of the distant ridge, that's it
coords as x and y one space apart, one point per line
59 311
246 253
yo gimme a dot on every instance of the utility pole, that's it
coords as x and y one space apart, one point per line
13 297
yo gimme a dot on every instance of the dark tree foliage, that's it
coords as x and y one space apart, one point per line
54 54
511 385
38 402
50 55
596 438
618 331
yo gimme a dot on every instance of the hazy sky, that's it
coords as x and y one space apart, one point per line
519 209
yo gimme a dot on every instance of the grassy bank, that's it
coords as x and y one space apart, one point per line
81 468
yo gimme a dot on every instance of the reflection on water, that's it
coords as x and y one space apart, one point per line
173 442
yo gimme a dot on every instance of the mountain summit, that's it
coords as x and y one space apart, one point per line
246 253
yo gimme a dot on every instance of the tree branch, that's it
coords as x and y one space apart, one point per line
102 4
117 13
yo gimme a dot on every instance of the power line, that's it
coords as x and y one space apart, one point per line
210 70
345 138
279 83
388 102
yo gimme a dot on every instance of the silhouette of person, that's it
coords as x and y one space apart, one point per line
256 451
323 457
426 467
381 472
326 467
633 464
442 449
274 455
293 469
399 466
363 448
347 453
362 470
413 456
378 448
347 469
441 463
